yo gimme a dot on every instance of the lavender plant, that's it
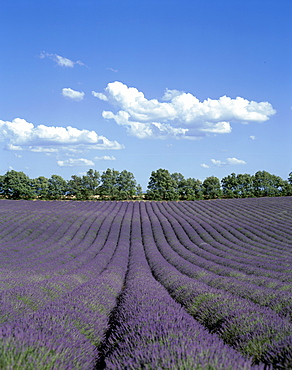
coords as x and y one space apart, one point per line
135 285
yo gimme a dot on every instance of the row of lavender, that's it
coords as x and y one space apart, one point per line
187 285
59 281
150 330
246 313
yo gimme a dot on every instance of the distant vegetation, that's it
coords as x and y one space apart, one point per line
162 185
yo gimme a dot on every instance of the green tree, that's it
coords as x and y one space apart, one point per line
40 187
211 188
1 185
75 188
91 182
85 187
190 189
127 185
245 185
109 185
57 187
179 183
290 178
162 186
177 177
17 185
237 186
230 186
139 191
287 187
267 185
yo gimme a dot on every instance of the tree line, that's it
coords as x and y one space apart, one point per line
162 185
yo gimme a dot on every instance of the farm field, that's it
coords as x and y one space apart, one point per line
146 285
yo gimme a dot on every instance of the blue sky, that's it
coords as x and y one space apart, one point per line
197 87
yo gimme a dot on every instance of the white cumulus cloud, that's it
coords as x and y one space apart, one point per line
72 94
217 162
61 61
105 158
100 96
22 135
144 130
179 114
252 137
227 162
75 162
234 161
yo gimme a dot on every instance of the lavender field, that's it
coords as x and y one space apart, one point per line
146 285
